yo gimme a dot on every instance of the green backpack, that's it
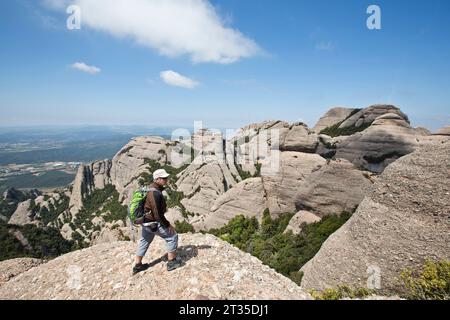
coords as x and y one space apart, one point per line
136 208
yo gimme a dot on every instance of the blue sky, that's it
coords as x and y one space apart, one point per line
287 60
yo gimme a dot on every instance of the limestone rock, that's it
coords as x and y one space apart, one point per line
255 142
246 198
368 115
205 179
391 119
14 267
89 177
386 140
23 215
443 131
332 117
281 181
299 219
299 138
336 187
66 231
422 131
327 145
129 163
110 233
403 222
213 269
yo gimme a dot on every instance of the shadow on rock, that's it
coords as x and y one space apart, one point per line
185 253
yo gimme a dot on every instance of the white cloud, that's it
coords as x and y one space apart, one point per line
173 78
325 46
172 27
81 66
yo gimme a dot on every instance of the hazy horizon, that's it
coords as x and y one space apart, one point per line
430 123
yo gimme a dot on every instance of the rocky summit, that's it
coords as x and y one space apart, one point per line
401 223
212 269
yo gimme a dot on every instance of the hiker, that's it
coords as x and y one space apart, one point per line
155 223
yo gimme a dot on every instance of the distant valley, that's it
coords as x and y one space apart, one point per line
45 158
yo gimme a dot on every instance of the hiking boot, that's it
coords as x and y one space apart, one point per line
139 268
174 264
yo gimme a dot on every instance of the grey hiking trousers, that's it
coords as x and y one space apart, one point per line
148 236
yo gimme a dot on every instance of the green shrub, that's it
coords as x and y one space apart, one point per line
174 199
335 131
50 215
284 252
184 227
108 200
430 283
43 242
341 292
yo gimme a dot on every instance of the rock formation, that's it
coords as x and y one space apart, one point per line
129 163
299 138
333 117
89 177
23 215
299 219
282 184
443 131
246 198
336 187
203 181
213 270
388 138
254 143
368 115
14 267
403 222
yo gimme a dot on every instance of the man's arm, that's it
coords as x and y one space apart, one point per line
153 204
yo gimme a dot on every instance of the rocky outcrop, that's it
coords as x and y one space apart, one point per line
368 115
387 139
23 215
254 129
203 181
13 194
333 117
421 131
213 270
89 177
14 267
299 138
275 190
255 142
19 206
109 232
211 173
299 219
403 222
129 163
53 199
246 198
443 131
336 187
282 181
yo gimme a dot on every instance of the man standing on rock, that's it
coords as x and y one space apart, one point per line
156 224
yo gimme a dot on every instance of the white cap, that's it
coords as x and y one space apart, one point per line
161 173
